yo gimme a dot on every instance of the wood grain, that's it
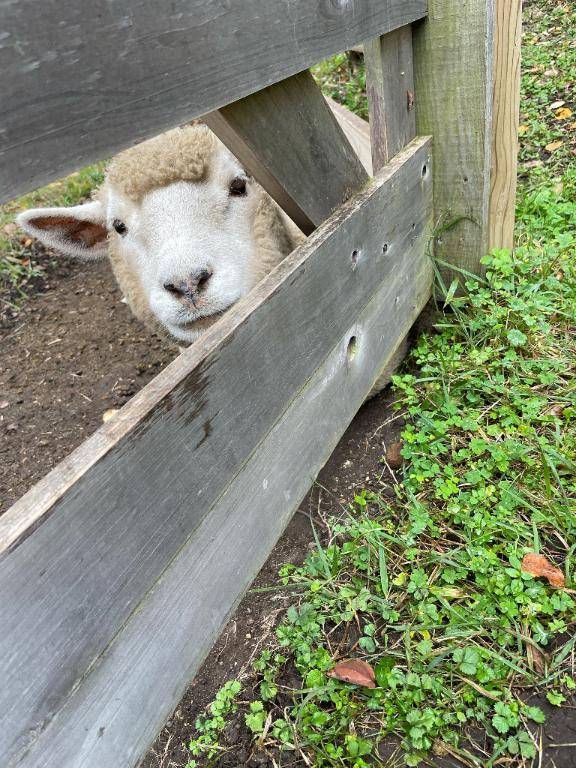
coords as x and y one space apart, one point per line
287 137
390 85
112 717
84 80
453 72
100 532
506 112
357 132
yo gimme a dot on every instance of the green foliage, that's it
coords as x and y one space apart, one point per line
208 729
549 71
345 82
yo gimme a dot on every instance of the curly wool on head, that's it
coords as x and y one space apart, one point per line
183 154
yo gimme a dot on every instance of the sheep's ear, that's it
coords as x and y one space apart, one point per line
78 231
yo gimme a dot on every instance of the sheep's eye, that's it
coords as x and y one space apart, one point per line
120 227
238 187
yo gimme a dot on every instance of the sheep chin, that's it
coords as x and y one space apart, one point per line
187 333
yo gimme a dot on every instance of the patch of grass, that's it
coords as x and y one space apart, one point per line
548 110
430 589
343 78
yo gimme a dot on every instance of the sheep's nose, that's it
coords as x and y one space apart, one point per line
190 288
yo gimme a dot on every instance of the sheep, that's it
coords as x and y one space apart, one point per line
186 230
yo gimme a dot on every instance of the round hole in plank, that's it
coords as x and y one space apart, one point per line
424 171
352 348
385 248
354 258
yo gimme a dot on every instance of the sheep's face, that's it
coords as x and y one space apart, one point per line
190 245
182 250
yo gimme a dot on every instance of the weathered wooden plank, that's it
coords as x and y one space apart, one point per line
506 112
390 85
287 137
111 718
453 72
112 74
115 515
357 132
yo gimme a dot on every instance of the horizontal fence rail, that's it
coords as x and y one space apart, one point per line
137 548
83 80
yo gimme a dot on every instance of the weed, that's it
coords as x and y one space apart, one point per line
209 728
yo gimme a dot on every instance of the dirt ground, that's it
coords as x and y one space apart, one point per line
72 353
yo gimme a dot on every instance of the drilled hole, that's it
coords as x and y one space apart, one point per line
385 248
354 258
352 348
413 226
424 171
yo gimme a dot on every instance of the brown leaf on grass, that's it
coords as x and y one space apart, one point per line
394 457
536 659
354 671
556 410
538 565
553 146
557 104
523 129
563 114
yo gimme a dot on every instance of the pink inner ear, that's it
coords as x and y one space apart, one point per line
86 233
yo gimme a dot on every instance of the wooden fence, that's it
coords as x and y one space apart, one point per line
119 569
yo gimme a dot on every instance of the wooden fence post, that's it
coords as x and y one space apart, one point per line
506 112
390 86
469 111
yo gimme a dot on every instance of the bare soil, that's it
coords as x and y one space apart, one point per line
72 353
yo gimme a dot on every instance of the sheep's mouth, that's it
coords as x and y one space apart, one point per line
202 322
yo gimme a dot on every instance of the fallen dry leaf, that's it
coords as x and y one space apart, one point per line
554 146
538 565
563 114
557 104
523 129
394 457
4 404
109 414
354 671
536 658
10 229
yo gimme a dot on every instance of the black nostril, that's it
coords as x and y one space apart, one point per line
171 288
203 279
